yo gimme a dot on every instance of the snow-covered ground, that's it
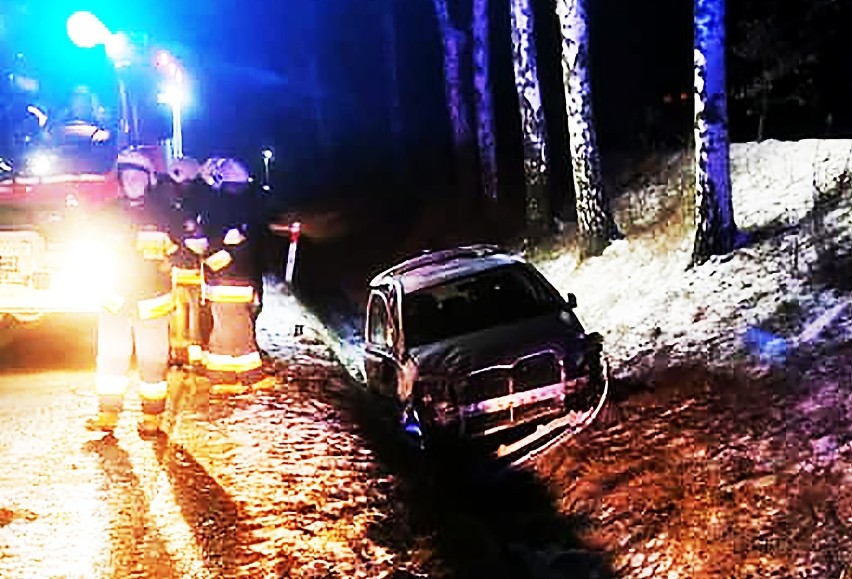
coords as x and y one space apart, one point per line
737 451
640 296
707 474
278 334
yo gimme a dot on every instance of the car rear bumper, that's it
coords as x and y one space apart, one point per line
27 301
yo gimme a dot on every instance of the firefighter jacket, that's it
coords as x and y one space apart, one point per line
185 201
140 239
231 222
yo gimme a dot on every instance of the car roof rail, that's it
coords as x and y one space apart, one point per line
429 257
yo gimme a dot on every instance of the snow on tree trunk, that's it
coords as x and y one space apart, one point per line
596 224
485 123
457 106
715 229
533 122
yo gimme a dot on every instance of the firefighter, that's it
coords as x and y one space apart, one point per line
137 296
208 169
233 362
185 200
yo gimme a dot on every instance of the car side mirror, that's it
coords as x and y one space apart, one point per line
570 300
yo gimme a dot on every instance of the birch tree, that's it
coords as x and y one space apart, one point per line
596 224
715 229
485 122
533 123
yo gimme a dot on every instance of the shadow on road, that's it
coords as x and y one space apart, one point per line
455 517
461 516
137 549
208 510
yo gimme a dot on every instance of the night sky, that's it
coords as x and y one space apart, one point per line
312 78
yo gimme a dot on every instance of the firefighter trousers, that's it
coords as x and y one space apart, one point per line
233 360
118 336
186 323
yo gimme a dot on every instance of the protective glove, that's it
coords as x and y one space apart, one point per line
234 237
197 245
218 260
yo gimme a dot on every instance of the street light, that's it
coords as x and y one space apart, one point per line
267 157
174 96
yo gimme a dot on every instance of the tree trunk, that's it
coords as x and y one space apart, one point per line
485 123
596 224
715 229
457 106
317 98
398 156
533 122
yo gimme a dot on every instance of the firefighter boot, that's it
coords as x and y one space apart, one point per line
105 422
149 426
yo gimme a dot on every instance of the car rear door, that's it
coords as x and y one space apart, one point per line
380 339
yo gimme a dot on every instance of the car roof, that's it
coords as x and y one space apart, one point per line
433 268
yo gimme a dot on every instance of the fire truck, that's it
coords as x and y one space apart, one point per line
56 164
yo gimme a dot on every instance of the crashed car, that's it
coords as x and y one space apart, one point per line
474 342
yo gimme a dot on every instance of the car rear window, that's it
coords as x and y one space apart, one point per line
503 295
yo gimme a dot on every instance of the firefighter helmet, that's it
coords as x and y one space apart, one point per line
135 158
208 170
232 171
184 169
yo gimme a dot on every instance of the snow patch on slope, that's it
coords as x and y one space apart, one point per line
649 307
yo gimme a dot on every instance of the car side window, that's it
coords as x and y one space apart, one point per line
394 322
379 331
